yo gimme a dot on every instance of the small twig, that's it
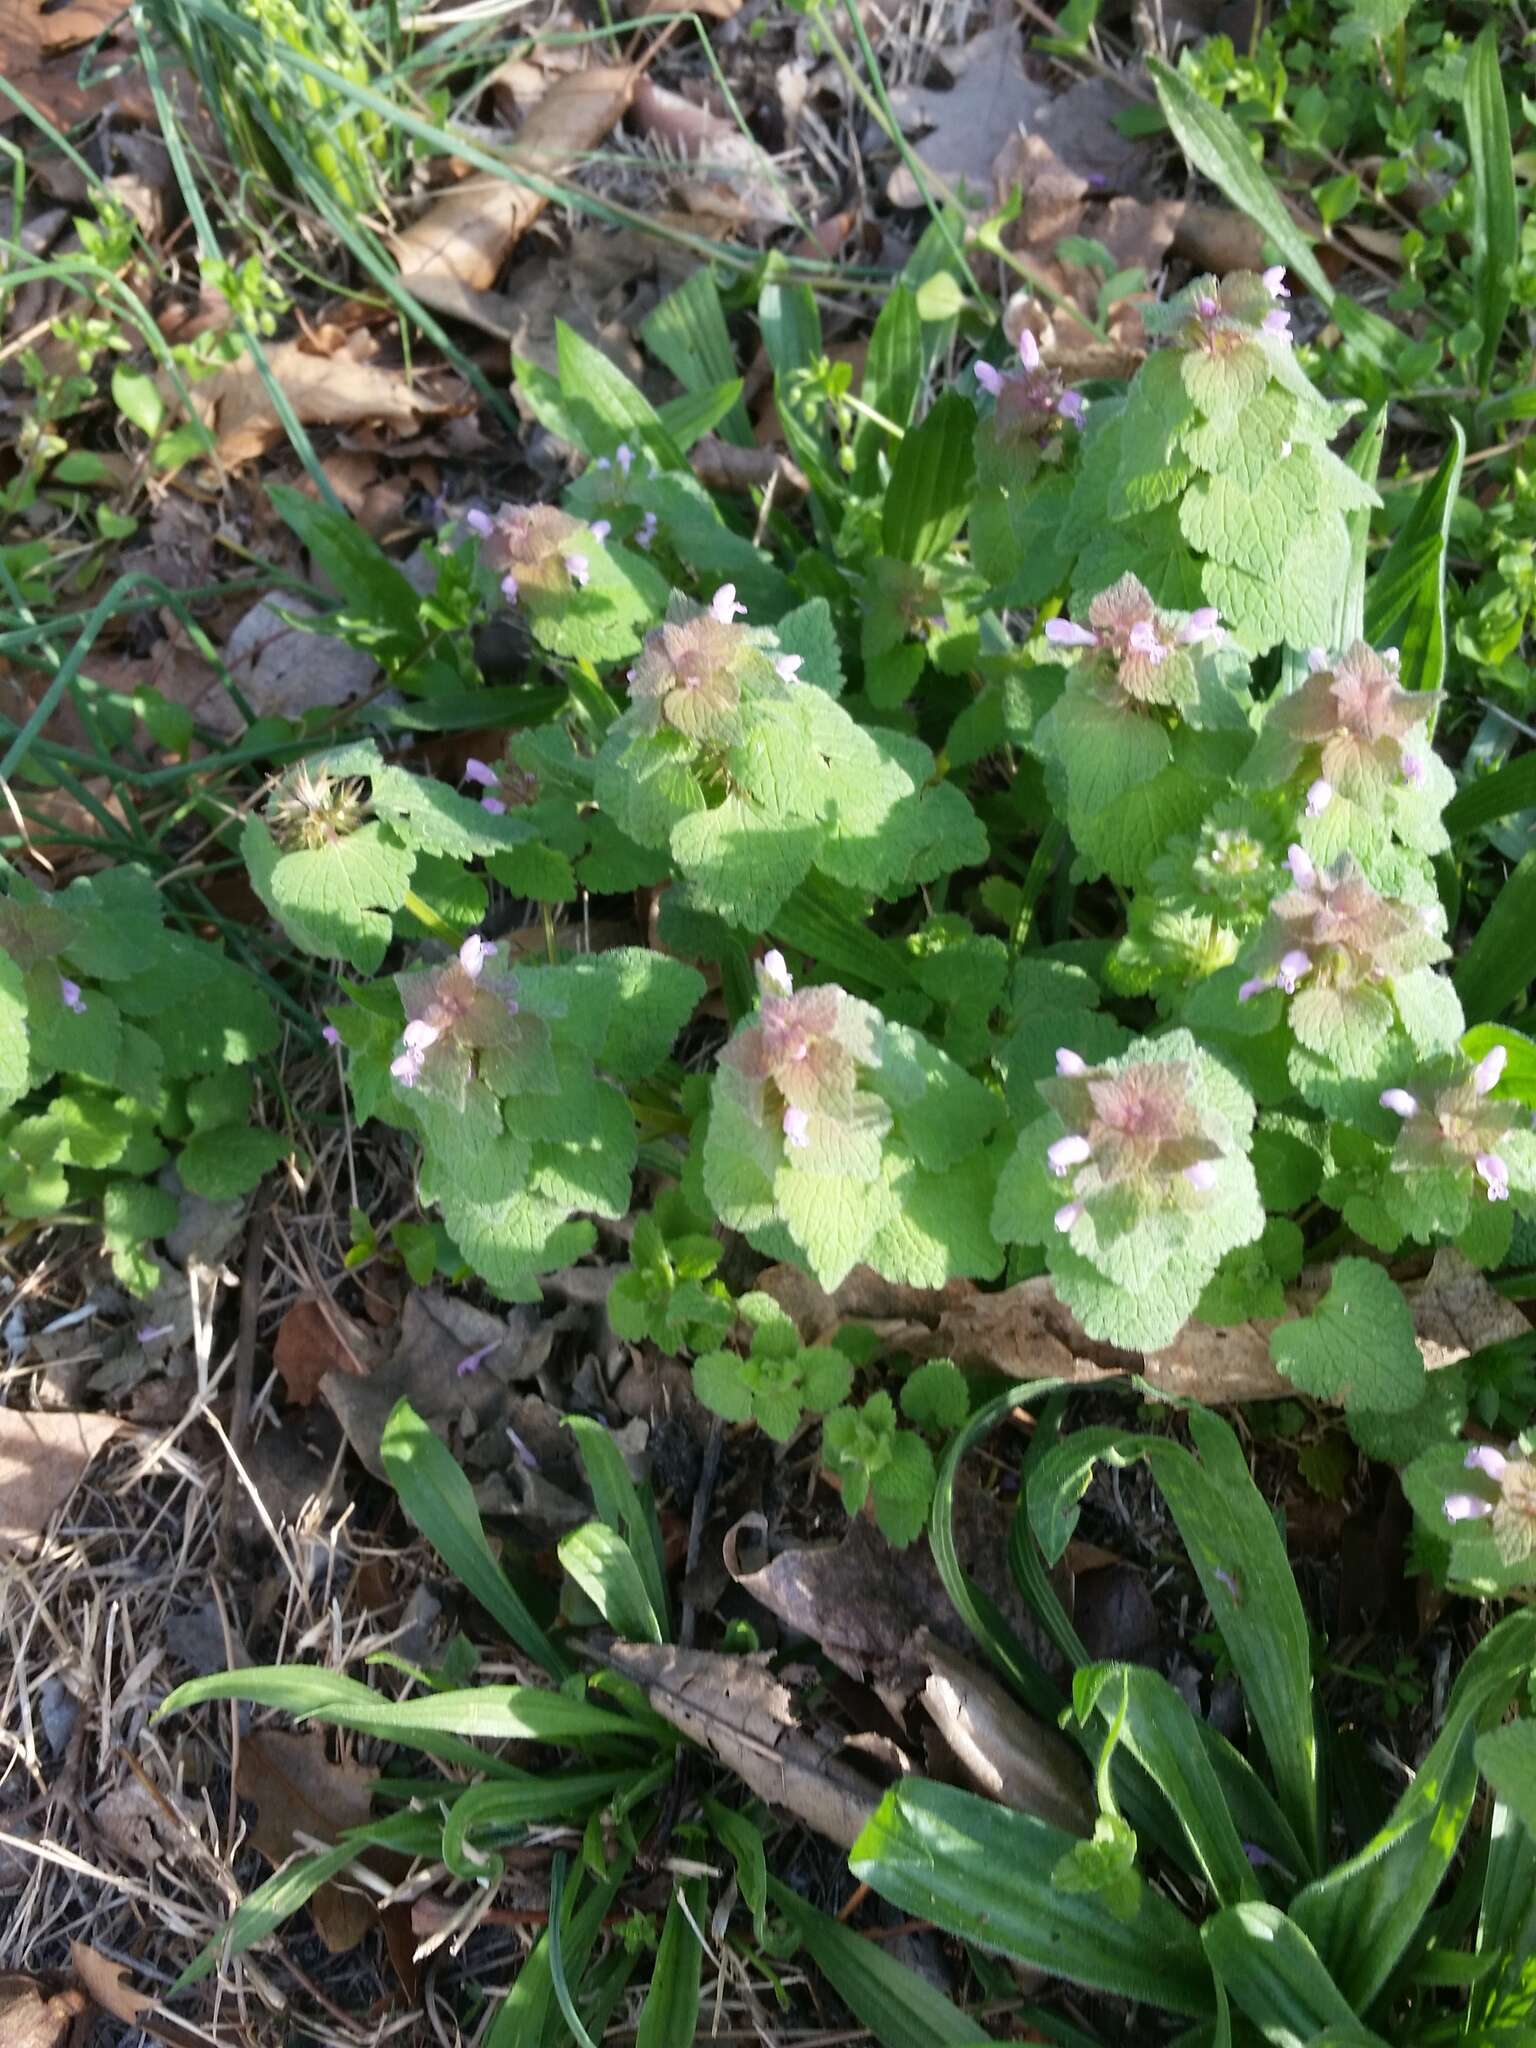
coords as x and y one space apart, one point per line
709 1471
245 1358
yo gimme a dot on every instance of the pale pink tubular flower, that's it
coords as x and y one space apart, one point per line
1062 633
776 969
473 955
481 773
1466 1507
1029 351
1202 624
601 528
1143 639
475 1359
1260 985
723 605
1277 323
1494 1175
797 1127
1274 282
1317 657
509 588
481 523
990 379
70 996
1072 1150
1319 797
1068 1063
1489 1069
1485 1459
1067 1215
1073 408
788 666
1414 771
1292 967
1400 1102
578 568
645 532
1299 861
1201 1176
330 1034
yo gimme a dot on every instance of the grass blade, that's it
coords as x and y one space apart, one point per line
1272 1972
1500 964
1405 603
900 2008
1509 789
670 2015
1495 203
626 1511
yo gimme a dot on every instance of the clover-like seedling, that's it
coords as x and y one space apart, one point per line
874 1459
779 1381
1137 1183
669 1293
937 1397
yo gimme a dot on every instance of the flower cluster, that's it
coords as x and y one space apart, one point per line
1136 1131
1457 1128
1351 730
1339 936
536 550
616 469
801 1061
1507 1501
504 785
463 1023
690 671
1139 656
1216 316
1032 399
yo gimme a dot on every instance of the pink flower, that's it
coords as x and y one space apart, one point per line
1299 861
797 1127
473 955
1466 1507
578 569
601 528
1029 351
1068 1062
1274 281
788 666
1202 624
723 605
1317 659
478 772
70 996
1067 1215
1201 1176
481 523
1206 307
1485 1459
494 806
1291 970
990 379
1073 408
473 1362
1414 770
1072 1150
645 532
774 974
1319 797
1494 1174
624 456
1062 633
1143 639
1489 1069
509 588
1259 985
330 1034
1277 323
1400 1102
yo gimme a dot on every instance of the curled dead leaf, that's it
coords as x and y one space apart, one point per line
1028 1332
1005 1752
35 2013
745 1717
324 391
106 1984
463 239
316 1337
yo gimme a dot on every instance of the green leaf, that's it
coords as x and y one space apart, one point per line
1502 794
898 2006
1507 1759
622 1507
1495 202
1357 1346
1405 599
670 2015
602 1564
222 1163
137 397
687 332
744 1839
333 901
348 559
893 375
697 413
984 1874
606 405
932 482
439 1500
13 1032
1272 1972
937 1396
1500 964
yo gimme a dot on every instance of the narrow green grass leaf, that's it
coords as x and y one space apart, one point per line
932 482
744 1839
1272 1972
900 2008
1509 789
1495 202
696 413
670 2015
439 1500
1364 459
624 1509
602 1564
1500 964
606 405
1405 599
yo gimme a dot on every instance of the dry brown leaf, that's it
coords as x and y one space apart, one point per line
463 240
35 2014
1025 1330
283 671
315 1338
297 1789
1004 1751
43 1455
324 391
722 466
105 1982
971 122
736 178
736 1709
